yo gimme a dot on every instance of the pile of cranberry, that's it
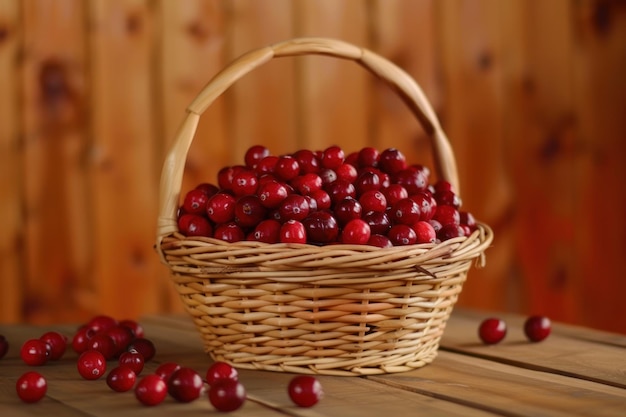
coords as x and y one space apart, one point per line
325 197
104 342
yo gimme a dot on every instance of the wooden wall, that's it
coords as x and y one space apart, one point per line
532 94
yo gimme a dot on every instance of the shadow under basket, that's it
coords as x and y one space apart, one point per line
334 310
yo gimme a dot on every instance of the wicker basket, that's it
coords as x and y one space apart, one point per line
336 309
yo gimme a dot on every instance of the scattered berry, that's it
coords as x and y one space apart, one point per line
537 328
57 344
221 370
492 330
91 364
144 346
133 360
121 379
34 352
227 395
185 385
305 390
31 387
151 390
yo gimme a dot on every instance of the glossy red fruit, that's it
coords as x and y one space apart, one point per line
447 215
151 390
292 231
122 336
287 168
81 339
391 160
208 189
321 227
305 390
347 209
227 395
245 182
266 165
380 241
405 211
272 193
322 199
537 328
367 181
229 232
413 180
402 235
4 346
395 193
425 232
165 370
332 157
132 360
185 385
339 190
194 225
307 160
134 326
121 379
221 370
34 352
379 222
373 200
101 323
31 387
267 231
368 156
195 201
294 207
104 344
426 203
254 154
346 172
356 232
91 364
221 208
143 346
450 231
249 211
492 330
307 183
57 343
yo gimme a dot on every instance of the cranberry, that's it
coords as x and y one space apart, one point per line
208 189
347 209
81 339
395 193
328 176
57 343
537 328
425 232
379 222
450 231
414 181
322 199
227 395
292 231
356 232
307 160
402 235
254 154
391 161
442 186
346 172
91 364
367 181
272 193
267 231
266 165
225 177
321 227
405 211
132 360
426 203
4 346
467 219
287 168
31 387
185 385
195 201
373 200
435 224
122 336
332 157
165 370
101 323
492 330
305 390
368 157
151 390
194 225
104 344
221 208
249 211
221 370
447 215
380 241
245 182
339 190
144 346
34 352
229 232
294 207
307 183
121 379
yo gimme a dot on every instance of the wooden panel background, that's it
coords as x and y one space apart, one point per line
532 94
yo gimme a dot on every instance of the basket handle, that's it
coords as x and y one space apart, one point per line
395 77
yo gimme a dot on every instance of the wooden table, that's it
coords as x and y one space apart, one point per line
575 372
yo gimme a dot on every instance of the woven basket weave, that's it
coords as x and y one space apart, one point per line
336 309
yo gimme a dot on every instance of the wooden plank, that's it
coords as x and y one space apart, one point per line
332 94
558 354
11 168
123 177
600 100
262 104
453 377
57 241
470 45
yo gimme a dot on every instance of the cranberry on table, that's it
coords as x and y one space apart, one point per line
133 360
121 379
57 344
221 370
185 385
227 395
31 387
121 336
151 390
104 344
91 364
165 370
101 323
143 346
305 390
81 339
537 328
34 352
492 330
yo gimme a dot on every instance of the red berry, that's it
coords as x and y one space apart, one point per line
450 231
245 182
492 330
402 235
122 336
104 344
367 181
346 172
221 208
208 189
143 346
221 370
31 387
307 160
294 207
425 232
267 231
305 390
266 165
194 225
356 232
229 232
4 346
34 352
165 370
151 390
395 193
57 343
332 157
91 364
195 201
287 168
426 203
380 241
368 157
322 199
185 385
321 227
254 154
391 161
339 190
292 231
132 360
227 395
448 198
379 222
307 183
272 193
447 215
347 209
405 211
121 378
101 323
537 328
373 200
81 339
249 211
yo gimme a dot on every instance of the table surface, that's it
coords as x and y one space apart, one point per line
575 372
